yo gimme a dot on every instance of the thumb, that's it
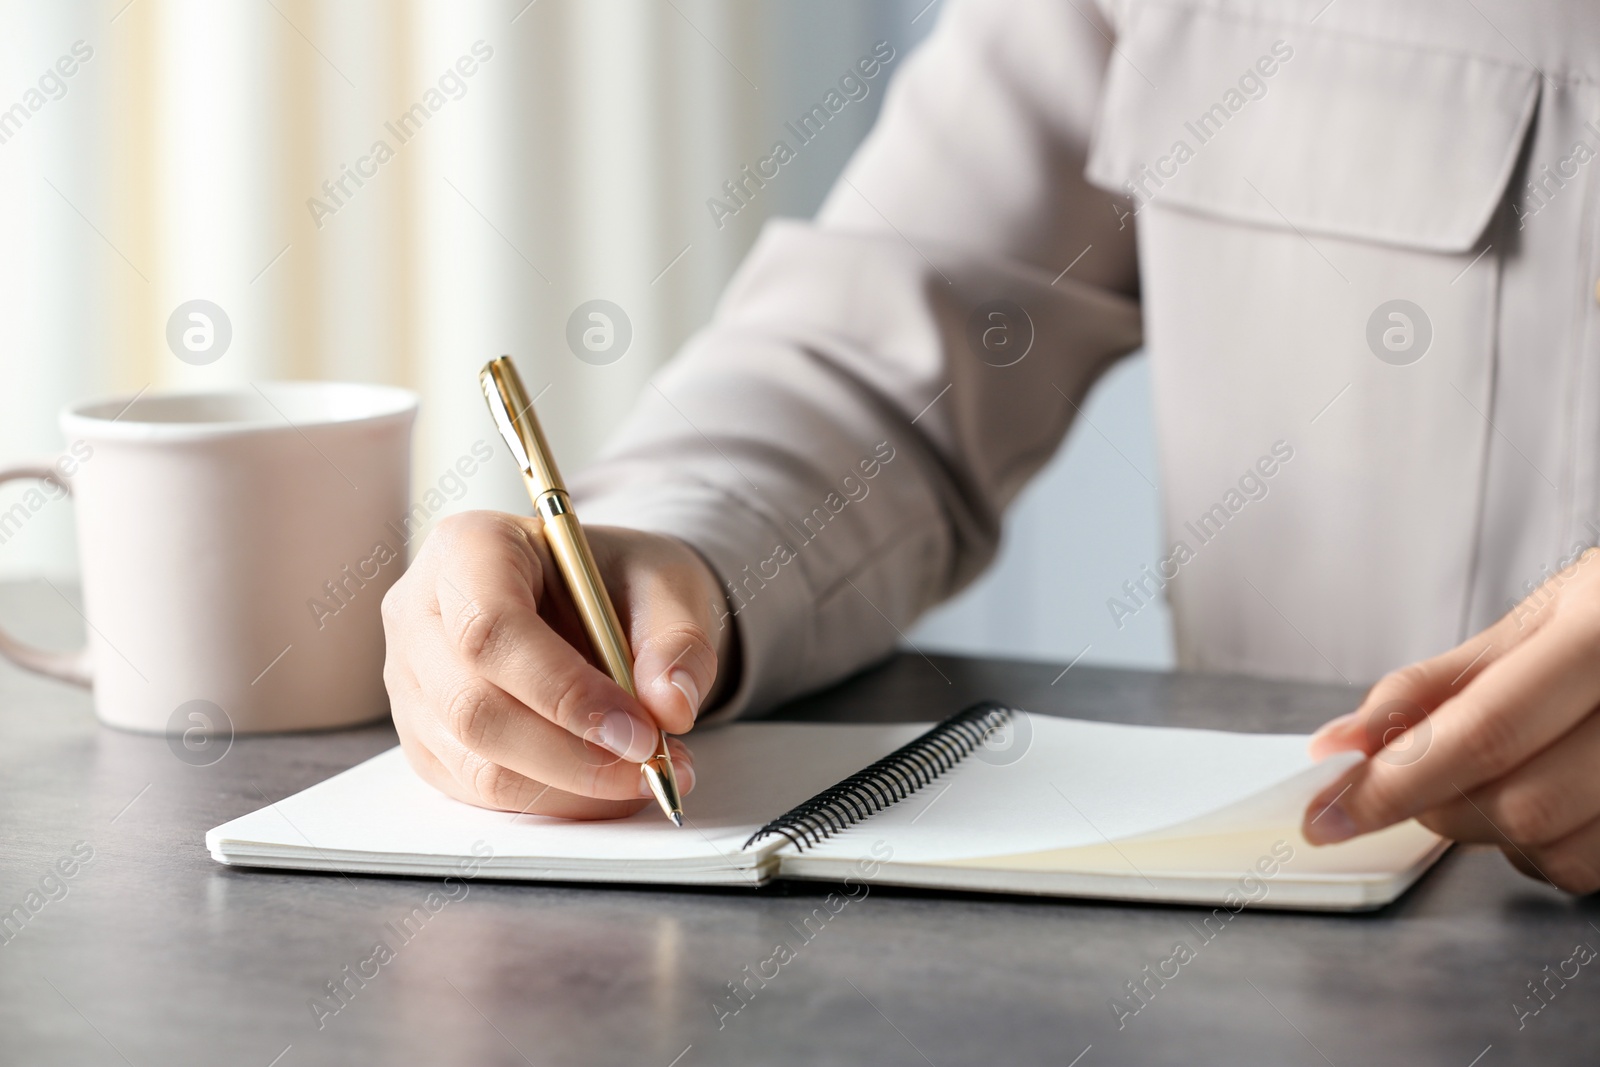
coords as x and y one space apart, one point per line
674 659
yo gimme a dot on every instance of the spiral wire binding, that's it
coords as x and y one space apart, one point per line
890 780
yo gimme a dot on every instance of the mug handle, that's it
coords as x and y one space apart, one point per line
65 666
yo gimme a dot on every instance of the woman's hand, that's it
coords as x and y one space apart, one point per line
1495 741
495 703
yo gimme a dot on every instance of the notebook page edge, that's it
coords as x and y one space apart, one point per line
1335 893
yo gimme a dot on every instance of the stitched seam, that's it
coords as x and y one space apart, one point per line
1580 334
1493 324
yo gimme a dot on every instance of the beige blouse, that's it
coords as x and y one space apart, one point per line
1358 239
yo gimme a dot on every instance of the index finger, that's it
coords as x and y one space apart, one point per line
486 591
1514 708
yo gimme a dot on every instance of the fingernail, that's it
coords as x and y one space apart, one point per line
627 736
1335 725
1337 735
1330 826
683 682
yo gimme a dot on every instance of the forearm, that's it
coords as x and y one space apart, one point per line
838 444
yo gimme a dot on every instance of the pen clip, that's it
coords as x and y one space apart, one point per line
501 391
512 415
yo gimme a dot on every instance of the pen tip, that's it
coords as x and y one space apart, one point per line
677 819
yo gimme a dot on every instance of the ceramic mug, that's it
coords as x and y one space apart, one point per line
234 548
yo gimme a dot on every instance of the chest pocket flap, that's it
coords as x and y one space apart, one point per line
1272 123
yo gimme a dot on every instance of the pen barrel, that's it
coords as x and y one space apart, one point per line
575 559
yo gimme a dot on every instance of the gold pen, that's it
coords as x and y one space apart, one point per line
513 415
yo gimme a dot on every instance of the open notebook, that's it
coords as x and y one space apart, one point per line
992 799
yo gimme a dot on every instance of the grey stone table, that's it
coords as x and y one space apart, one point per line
157 955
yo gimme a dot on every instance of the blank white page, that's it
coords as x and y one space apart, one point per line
380 816
1085 783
